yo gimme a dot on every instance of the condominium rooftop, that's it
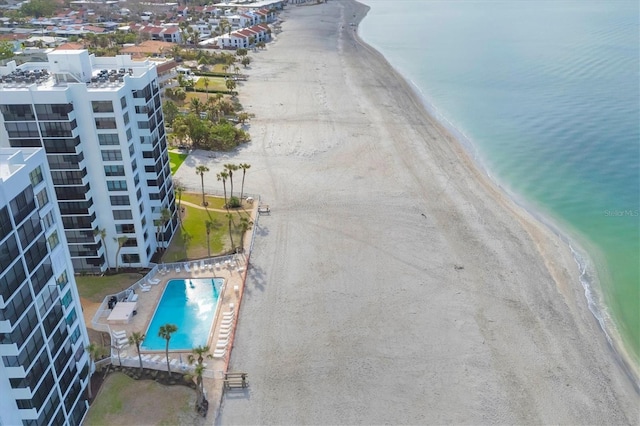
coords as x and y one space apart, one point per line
66 67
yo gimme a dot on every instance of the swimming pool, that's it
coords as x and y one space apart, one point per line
191 305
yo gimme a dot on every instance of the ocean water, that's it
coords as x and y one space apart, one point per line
546 94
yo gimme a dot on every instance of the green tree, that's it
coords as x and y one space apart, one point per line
206 86
6 50
201 170
136 338
230 169
102 233
196 106
246 61
165 216
38 8
230 84
201 352
121 242
223 176
244 167
165 332
242 51
245 225
171 111
178 189
94 352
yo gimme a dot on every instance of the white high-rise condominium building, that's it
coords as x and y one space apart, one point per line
100 122
44 367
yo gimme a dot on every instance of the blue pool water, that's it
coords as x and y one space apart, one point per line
191 305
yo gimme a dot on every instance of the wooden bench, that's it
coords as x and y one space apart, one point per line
234 380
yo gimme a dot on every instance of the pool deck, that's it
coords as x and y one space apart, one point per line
234 274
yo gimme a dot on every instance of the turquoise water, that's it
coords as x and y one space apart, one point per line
547 93
189 304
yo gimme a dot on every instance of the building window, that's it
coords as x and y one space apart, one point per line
123 102
62 279
106 123
108 139
22 130
129 134
122 214
53 240
130 258
125 228
111 155
42 198
22 205
57 129
119 200
126 118
53 111
102 106
131 242
117 185
114 170
35 176
48 221
17 112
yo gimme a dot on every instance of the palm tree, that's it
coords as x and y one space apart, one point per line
178 189
206 86
102 233
201 352
165 332
231 168
230 85
223 176
245 225
201 170
118 349
136 338
244 167
121 242
196 106
94 351
165 216
229 217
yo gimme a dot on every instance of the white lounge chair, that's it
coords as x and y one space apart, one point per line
227 321
221 344
119 333
202 265
143 286
156 358
153 281
177 268
186 268
219 353
229 314
224 334
217 266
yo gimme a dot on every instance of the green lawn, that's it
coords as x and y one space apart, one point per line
96 289
176 160
214 202
190 242
124 401
215 83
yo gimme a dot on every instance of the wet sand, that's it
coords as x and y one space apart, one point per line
393 283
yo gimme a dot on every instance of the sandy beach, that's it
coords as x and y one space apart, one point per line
393 283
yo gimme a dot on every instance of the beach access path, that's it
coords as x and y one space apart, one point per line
392 282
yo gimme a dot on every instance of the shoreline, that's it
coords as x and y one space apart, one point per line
434 304
588 274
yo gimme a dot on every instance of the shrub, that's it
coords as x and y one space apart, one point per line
234 202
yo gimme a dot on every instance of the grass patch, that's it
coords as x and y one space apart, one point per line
215 83
124 401
190 241
176 160
214 202
96 289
